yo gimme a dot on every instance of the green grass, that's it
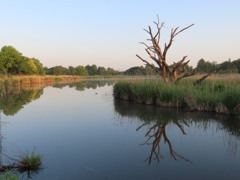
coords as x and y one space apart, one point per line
9 175
30 161
219 94
27 163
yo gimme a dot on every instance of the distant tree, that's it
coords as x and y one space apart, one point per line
237 64
101 71
81 71
59 70
71 70
205 66
48 71
149 70
111 71
92 70
137 70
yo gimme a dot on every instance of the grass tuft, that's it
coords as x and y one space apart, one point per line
30 161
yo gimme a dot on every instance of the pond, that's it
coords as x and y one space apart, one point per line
82 132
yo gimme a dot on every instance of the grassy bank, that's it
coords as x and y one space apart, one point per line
219 94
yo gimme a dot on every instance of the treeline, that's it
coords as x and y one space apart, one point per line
12 62
91 70
222 68
202 67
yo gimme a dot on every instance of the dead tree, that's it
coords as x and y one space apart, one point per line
159 54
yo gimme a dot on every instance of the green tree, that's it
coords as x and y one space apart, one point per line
111 71
205 66
27 66
137 70
10 59
101 71
72 70
40 69
237 64
80 70
92 70
59 70
48 71
149 70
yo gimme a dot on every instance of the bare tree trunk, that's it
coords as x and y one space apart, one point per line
174 76
203 78
164 76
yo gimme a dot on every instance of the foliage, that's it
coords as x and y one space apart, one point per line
9 59
59 70
12 62
101 71
222 68
27 66
81 71
40 69
92 70
140 70
205 66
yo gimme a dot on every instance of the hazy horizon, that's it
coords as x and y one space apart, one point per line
107 33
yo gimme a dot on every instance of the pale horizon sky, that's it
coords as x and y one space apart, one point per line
107 32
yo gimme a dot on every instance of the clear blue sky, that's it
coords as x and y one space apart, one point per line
107 32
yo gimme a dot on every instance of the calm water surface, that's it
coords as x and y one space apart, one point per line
83 133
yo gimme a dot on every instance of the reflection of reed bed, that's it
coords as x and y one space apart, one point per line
219 94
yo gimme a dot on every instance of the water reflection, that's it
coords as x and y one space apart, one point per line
89 84
155 134
154 120
13 99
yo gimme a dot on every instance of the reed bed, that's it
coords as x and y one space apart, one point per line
219 94
24 80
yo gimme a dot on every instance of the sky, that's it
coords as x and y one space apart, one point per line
107 32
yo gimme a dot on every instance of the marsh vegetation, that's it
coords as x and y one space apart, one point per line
219 94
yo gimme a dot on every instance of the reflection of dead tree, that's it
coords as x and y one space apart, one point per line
157 132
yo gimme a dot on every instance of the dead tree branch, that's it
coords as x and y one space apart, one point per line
203 78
